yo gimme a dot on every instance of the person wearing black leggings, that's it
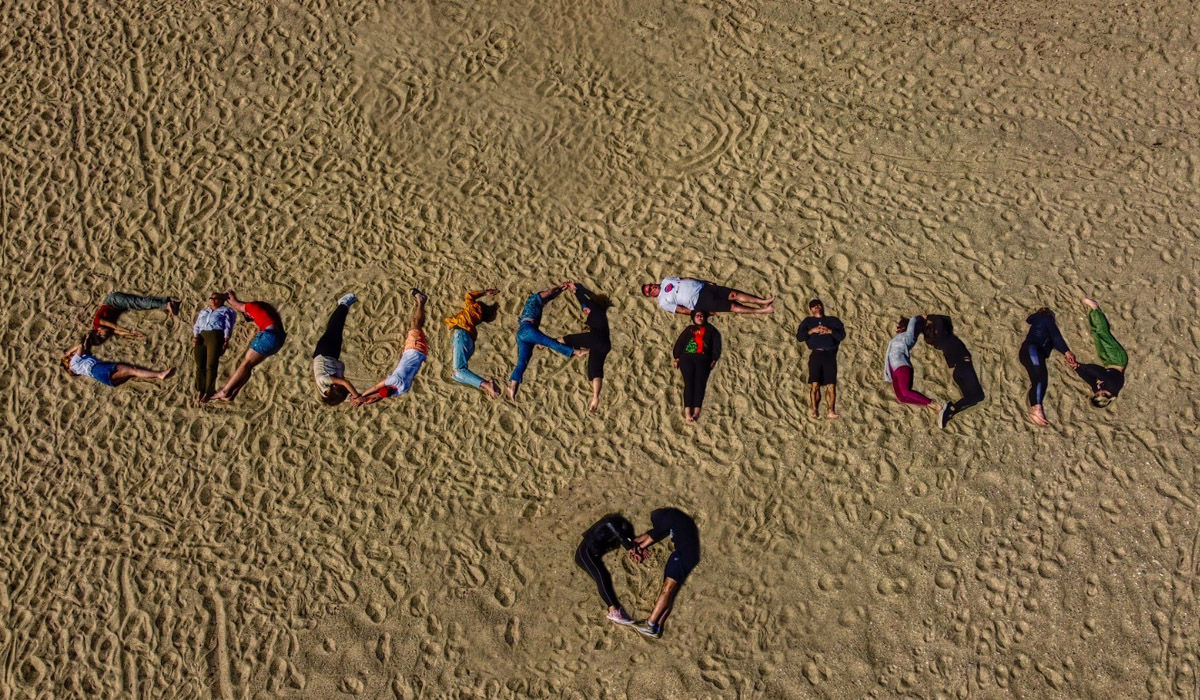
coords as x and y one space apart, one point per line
696 353
939 333
608 533
328 368
596 338
1042 339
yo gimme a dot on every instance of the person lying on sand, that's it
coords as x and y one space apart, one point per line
1107 378
897 364
266 342
939 333
682 529
1042 339
682 295
529 336
210 338
696 352
104 323
416 349
608 533
822 334
328 368
463 333
595 340
80 362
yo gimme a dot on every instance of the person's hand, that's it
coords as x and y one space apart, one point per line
643 541
491 291
568 285
675 363
1071 360
195 340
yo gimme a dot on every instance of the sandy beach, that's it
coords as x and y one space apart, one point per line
976 159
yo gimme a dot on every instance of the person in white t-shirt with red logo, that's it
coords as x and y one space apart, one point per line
683 295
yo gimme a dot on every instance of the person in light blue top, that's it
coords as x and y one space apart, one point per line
530 335
897 363
210 339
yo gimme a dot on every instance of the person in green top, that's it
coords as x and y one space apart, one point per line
1107 378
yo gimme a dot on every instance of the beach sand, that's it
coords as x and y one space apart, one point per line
972 158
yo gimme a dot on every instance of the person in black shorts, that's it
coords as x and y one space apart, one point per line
682 530
596 339
608 533
939 332
683 295
822 334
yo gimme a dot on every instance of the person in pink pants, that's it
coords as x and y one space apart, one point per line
897 365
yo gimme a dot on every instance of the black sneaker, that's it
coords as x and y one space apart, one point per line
944 416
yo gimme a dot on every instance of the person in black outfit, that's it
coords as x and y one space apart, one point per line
823 334
608 533
939 333
696 353
596 339
1042 340
682 529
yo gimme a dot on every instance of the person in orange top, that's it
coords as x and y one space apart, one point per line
463 333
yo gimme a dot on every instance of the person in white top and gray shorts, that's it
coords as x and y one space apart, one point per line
328 368
683 295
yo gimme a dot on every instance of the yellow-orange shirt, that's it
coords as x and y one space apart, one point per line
471 314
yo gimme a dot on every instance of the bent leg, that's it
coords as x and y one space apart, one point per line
594 567
524 354
537 337
902 384
1110 351
968 382
666 600
464 348
239 377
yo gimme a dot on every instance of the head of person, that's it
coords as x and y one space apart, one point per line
700 318
650 289
902 324
336 395
816 307
217 299
100 335
1102 398
488 312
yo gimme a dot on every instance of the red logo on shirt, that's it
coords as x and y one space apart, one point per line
670 287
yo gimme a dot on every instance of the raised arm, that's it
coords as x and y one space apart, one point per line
376 393
551 293
237 304
121 330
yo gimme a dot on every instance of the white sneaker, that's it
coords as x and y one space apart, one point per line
348 299
620 617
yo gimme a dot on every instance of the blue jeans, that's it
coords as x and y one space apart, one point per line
527 337
464 347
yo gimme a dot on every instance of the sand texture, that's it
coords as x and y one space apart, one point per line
974 158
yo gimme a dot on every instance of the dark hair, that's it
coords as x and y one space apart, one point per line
336 395
702 312
488 312
903 322
816 302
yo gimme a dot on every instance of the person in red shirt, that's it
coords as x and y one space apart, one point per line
104 322
696 353
266 342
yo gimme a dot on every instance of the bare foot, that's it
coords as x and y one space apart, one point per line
832 415
813 414
1038 416
580 352
1090 303
935 407
219 396
594 404
173 309
689 419
512 392
489 388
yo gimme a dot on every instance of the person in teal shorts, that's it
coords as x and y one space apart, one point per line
1107 378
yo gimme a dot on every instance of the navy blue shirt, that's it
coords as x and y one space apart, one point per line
821 341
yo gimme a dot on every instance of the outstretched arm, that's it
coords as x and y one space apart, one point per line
237 304
345 384
120 330
376 393
549 294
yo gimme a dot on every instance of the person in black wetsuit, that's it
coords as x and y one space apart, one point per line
596 339
608 533
696 352
1042 339
822 334
682 529
939 333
